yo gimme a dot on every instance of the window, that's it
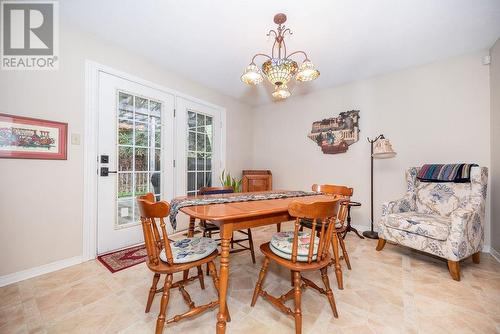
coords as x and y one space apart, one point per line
200 143
139 153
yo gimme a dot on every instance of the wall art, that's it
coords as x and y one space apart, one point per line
31 138
335 135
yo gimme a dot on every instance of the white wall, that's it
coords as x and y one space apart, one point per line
495 142
41 201
437 113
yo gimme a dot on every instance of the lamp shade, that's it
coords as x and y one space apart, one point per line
383 149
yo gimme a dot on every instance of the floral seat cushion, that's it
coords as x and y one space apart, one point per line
427 225
281 245
190 249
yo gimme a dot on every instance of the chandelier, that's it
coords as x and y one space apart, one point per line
279 68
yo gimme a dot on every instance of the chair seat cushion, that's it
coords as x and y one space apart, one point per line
190 249
427 225
282 242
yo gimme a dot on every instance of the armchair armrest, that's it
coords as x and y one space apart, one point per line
404 204
467 230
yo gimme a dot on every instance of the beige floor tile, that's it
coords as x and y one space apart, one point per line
394 291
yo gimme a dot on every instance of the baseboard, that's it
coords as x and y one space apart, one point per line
361 228
495 254
40 270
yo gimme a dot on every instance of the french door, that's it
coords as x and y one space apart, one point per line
149 141
199 155
136 153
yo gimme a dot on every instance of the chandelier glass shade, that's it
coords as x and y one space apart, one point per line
279 69
307 72
281 92
252 75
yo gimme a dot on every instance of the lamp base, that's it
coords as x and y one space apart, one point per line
370 234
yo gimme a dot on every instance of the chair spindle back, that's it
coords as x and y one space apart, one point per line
150 211
343 192
319 212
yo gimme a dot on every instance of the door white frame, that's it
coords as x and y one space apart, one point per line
90 142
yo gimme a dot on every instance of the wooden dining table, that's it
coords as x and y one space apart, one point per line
243 215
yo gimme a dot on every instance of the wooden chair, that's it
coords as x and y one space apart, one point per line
165 257
209 228
341 227
305 253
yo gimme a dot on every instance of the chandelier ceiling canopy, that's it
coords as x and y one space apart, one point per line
280 68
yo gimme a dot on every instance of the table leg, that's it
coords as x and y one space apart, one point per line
338 270
226 231
191 227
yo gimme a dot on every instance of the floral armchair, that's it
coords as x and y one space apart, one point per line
443 219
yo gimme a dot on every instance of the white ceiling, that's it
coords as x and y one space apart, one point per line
211 41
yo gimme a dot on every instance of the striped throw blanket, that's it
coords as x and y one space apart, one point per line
178 203
458 173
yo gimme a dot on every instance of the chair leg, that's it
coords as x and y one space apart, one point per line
185 274
163 306
344 252
278 227
381 244
232 241
338 271
215 279
200 277
454 268
152 292
297 296
476 257
258 286
329 292
250 243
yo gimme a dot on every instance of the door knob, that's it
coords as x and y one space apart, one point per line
105 171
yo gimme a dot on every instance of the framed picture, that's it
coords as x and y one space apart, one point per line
31 138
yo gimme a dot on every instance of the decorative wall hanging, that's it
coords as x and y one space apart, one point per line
334 135
31 138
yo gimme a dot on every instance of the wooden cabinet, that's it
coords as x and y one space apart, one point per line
257 180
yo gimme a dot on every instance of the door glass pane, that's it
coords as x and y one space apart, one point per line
125 106
139 154
141 183
125 212
125 158
125 185
155 180
125 132
141 105
155 108
141 134
191 120
141 159
199 155
157 161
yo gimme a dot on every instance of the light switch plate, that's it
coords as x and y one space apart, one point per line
75 139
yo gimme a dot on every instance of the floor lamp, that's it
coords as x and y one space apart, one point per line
381 148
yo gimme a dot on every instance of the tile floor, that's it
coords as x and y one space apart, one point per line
393 291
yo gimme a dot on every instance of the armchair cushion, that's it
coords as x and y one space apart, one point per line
441 198
426 225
